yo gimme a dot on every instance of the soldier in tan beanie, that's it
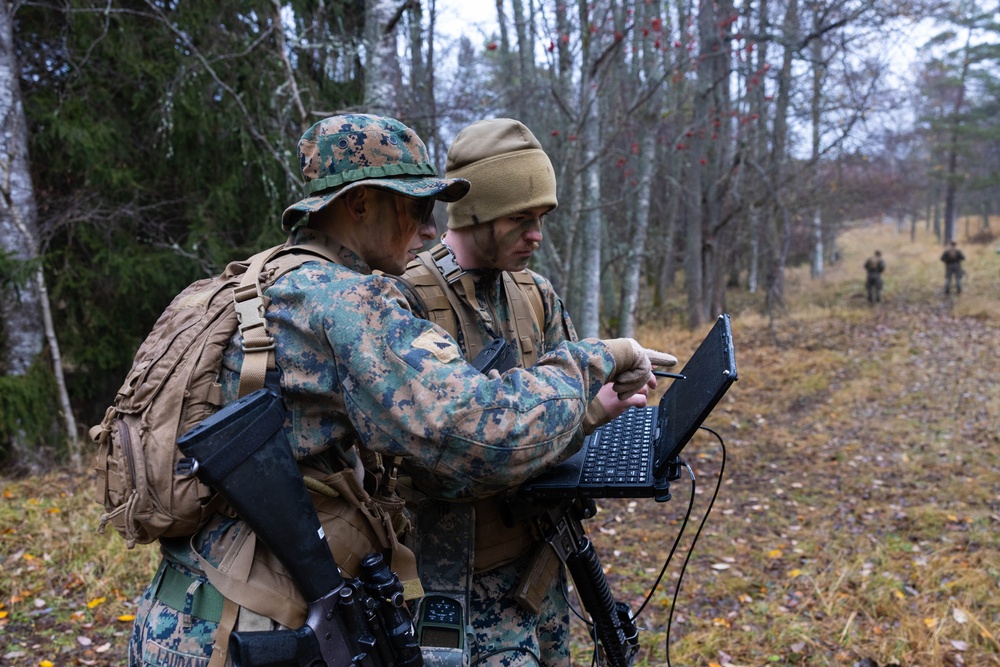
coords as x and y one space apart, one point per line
476 286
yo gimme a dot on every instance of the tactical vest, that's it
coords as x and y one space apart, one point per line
432 277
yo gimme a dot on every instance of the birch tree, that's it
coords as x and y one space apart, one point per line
25 309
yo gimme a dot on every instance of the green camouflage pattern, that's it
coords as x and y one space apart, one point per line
356 364
167 637
499 621
507 635
341 152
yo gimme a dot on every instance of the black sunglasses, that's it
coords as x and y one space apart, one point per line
422 209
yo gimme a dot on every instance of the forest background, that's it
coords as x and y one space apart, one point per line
698 145
712 156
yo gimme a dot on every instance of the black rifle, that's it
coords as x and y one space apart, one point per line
243 454
560 526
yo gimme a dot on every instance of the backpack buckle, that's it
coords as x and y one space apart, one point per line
249 307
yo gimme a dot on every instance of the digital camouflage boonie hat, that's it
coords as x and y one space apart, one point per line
343 152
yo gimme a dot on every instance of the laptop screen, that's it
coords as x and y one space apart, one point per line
688 402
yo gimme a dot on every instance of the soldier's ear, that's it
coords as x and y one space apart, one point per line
357 201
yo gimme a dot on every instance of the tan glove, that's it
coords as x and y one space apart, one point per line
633 364
595 416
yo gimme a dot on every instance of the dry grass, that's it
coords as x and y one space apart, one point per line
857 517
861 500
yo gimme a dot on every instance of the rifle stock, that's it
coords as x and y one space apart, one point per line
243 454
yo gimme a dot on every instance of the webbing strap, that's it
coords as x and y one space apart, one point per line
205 602
220 651
258 347
473 345
523 300
524 329
248 299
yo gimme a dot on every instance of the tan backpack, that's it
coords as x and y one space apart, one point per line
174 385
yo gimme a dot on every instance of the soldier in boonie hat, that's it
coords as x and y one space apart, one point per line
340 153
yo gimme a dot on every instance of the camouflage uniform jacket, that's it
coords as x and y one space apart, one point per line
496 543
356 364
953 258
874 266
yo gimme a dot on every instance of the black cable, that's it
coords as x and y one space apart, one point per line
512 649
680 578
677 540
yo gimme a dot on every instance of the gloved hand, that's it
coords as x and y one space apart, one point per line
634 365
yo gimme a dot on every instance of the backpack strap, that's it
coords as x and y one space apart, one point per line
435 281
248 299
528 312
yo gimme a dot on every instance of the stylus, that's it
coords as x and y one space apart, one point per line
664 374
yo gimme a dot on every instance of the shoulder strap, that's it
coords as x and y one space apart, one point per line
248 299
529 315
436 283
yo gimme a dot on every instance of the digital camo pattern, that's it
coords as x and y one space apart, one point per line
356 363
166 637
499 620
358 148
354 359
509 636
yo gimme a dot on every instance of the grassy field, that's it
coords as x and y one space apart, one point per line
857 516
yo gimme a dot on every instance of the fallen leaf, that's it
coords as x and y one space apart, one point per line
84 641
775 553
3 614
126 618
96 601
898 593
103 648
792 574
959 645
45 663
959 615
930 622
720 566
798 647
53 510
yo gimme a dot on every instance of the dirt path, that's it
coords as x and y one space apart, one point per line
861 498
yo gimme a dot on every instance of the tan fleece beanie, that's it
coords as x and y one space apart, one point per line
508 170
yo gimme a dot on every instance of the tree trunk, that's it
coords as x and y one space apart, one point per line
635 257
778 234
951 180
381 54
27 317
817 93
588 321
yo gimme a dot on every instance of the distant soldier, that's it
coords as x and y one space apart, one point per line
874 267
952 258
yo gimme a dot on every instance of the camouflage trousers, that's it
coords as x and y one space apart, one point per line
953 271
166 637
507 635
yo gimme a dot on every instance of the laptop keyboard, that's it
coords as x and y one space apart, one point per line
624 452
